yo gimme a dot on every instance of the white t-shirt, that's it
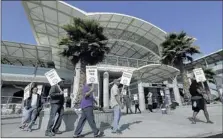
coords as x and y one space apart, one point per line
34 100
124 92
114 92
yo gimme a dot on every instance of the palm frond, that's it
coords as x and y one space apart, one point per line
84 41
209 74
177 48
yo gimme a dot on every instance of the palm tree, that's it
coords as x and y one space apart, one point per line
210 77
86 45
209 74
177 49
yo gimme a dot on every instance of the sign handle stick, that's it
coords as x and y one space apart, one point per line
59 88
122 94
35 71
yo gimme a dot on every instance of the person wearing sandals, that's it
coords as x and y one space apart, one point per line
198 101
87 103
32 106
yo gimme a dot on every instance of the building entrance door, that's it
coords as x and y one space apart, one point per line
157 97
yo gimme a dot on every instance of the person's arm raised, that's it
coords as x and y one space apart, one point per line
18 87
89 92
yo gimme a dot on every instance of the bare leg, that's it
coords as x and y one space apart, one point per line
206 114
194 117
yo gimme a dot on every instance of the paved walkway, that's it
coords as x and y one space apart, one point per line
175 124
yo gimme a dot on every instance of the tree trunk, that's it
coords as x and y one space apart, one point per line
185 82
81 82
75 83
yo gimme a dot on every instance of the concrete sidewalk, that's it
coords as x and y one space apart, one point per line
174 124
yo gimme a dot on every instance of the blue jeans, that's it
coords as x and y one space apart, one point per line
117 116
28 115
87 114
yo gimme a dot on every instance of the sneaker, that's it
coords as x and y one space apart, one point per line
116 132
22 126
50 134
29 129
78 136
58 132
99 134
210 122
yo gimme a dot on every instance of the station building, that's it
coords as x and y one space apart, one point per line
134 43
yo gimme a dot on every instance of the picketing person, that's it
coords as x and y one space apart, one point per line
87 103
57 107
116 105
198 100
32 107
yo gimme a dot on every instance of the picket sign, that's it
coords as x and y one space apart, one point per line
40 88
135 97
124 92
162 93
199 75
53 77
27 91
126 78
92 74
65 91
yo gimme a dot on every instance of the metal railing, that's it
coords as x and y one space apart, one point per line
11 105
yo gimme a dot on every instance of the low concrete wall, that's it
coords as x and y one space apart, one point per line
71 118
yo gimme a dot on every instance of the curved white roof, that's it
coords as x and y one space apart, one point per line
128 36
155 73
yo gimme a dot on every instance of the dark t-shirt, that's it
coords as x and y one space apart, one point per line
193 89
55 96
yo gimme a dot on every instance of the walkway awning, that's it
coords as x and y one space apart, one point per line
155 73
23 78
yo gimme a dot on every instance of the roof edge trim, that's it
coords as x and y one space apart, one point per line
95 13
71 6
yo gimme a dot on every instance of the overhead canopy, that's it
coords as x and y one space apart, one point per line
23 78
155 73
24 54
14 53
210 59
128 36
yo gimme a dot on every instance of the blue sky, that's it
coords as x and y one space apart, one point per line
200 19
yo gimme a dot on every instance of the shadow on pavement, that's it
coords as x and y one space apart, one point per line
126 126
197 120
103 126
215 136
